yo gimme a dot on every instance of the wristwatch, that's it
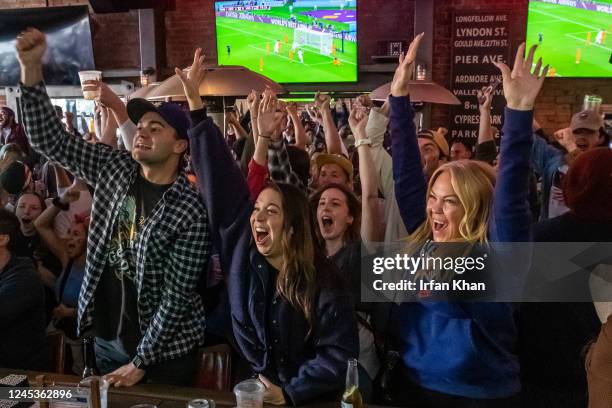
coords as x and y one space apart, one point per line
365 141
138 362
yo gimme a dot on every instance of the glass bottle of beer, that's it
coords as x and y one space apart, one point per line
352 397
91 368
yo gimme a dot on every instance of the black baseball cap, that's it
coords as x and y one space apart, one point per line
172 113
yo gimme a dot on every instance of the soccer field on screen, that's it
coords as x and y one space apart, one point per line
270 49
566 44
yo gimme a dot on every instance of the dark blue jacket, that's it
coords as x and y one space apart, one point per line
22 317
464 349
271 335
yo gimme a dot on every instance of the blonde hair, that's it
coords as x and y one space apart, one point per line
473 182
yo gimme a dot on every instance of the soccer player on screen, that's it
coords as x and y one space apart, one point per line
540 38
301 56
600 37
277 47
229 50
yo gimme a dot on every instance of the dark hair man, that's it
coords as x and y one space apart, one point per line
148 240
460 150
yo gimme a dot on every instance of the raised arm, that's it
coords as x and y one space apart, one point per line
221 183
234 123
226 196
45 130
111 100
410 184
484 127
268 126
44 224
301 139
376 128
267 123
371 222
511 215
253 101
332 138
109 131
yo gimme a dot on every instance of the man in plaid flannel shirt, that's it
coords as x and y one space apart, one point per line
148 238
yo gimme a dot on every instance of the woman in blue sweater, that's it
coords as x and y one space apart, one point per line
462 354
292 319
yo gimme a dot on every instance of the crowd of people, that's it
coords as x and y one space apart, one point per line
159 233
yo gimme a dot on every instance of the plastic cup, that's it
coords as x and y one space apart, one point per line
249 394
104 385
592 103
90 92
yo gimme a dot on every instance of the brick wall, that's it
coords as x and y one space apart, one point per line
380 20
115 40
190 25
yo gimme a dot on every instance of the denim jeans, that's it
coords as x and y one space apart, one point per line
178 371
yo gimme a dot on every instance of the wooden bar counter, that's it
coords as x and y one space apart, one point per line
163 396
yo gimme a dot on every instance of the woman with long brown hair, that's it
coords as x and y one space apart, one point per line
291 317
344 223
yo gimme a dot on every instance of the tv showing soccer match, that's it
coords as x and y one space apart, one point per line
574 37
290 41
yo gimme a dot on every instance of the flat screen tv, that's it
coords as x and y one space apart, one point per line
69 47
290 41
574 37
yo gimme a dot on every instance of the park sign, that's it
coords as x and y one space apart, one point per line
479 40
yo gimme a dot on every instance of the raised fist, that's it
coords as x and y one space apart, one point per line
31 45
